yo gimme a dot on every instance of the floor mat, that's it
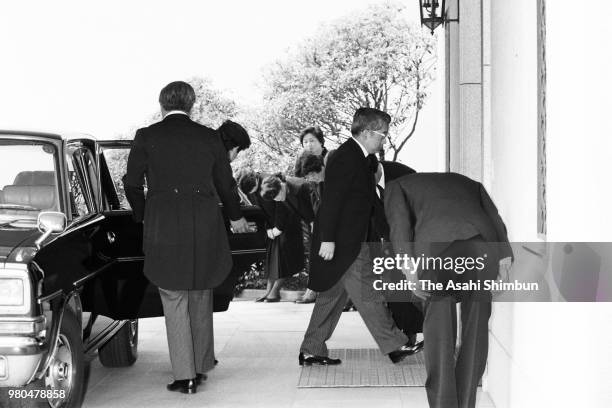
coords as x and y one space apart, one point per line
364 368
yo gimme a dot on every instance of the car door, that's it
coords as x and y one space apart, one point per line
73 261
133 295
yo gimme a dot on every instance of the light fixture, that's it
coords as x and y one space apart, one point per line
432 15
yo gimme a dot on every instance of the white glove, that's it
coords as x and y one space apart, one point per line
270 234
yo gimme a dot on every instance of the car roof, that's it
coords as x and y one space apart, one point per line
47 135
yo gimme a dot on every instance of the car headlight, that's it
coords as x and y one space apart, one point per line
15 290
12 292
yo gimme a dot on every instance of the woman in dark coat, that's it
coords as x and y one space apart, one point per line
312 167
285 249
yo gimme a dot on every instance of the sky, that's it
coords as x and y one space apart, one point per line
97 66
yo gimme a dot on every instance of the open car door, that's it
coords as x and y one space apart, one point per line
126 293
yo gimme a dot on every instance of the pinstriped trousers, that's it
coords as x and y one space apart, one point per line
356 283
189 327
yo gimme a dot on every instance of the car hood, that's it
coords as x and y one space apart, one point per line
15 238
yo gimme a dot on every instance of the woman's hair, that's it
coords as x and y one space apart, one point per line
310 163
232 135
248 180
315 131
271 186
298 170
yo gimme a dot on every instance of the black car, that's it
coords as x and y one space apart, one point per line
71 265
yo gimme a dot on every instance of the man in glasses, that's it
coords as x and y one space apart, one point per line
341 265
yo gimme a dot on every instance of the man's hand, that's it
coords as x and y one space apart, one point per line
239 226
421 293
327 250
270 233
276 232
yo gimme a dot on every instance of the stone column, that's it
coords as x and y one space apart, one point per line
464 88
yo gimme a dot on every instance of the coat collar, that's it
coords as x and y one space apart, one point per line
356 148
172 115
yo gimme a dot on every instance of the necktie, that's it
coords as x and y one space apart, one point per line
381 192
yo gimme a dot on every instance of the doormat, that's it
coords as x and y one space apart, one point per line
364 368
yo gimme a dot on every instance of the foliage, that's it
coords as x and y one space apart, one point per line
371 58
254 279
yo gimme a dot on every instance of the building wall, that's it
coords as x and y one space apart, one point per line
540 354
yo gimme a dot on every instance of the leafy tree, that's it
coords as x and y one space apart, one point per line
372 58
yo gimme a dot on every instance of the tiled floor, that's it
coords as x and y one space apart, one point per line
257 346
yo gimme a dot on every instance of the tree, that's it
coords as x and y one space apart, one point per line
372 58
273 149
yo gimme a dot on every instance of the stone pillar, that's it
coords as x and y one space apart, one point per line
464 88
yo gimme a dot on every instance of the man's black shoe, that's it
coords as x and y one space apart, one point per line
320 360
184 386
406 350
200 377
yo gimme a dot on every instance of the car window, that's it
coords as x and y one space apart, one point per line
116 161
28 181
78 203
82 192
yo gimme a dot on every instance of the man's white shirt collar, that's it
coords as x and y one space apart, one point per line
363 149
173 112
381 182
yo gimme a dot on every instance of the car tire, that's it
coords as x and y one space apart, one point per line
122 349
66 372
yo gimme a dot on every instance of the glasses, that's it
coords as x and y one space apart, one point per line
380 133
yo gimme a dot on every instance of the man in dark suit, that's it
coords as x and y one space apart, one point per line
447 215
341 265
185 241
407 315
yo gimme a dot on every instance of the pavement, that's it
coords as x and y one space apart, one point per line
257 346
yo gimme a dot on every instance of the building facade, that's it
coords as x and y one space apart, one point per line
527 89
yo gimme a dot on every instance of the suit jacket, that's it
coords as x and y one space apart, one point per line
187 171
299 198
441 208
344 214
379 230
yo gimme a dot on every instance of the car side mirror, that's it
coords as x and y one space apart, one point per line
50 222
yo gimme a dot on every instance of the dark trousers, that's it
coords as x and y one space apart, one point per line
453 383
356 283
407 316
189 327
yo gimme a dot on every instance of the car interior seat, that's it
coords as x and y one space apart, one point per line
32 188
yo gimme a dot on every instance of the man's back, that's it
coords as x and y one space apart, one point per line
441 207
187 173
180 151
